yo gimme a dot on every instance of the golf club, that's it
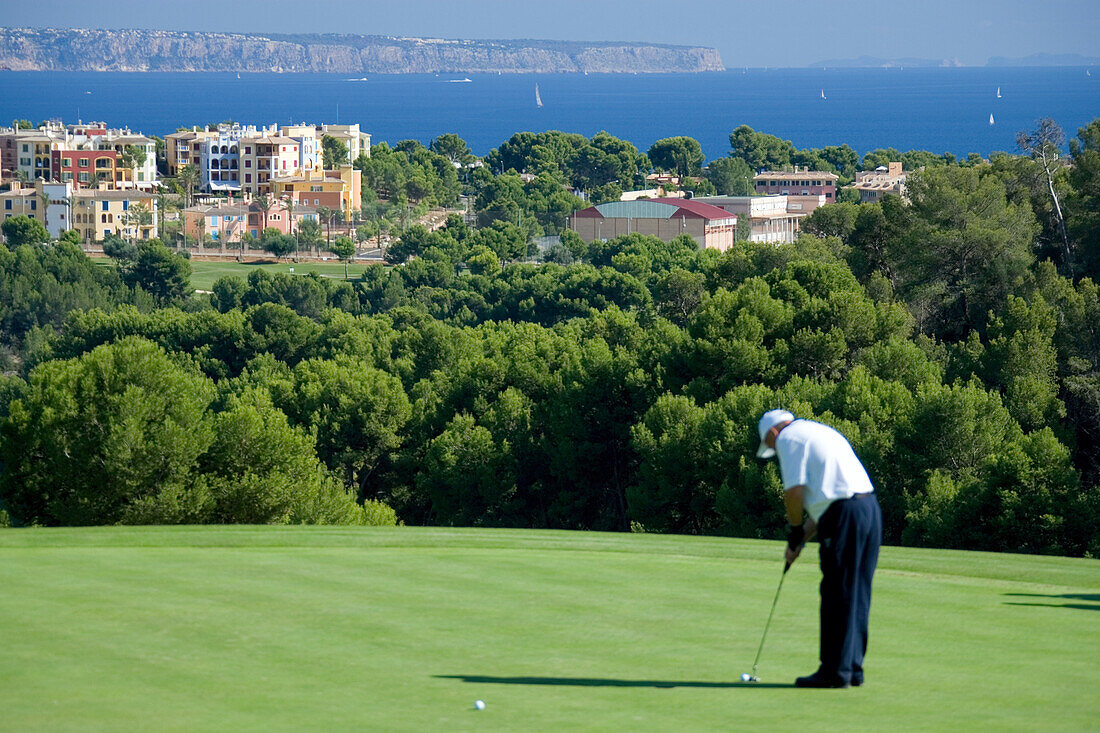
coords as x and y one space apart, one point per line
752 677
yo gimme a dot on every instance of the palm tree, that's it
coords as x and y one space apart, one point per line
288 202
45 199
138 216
165 203
325 214
133 157
265 206
187 177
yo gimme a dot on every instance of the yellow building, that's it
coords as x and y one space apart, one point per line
129 214
339 190
21 202
183 148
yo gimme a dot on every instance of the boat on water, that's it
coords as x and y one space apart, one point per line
538 97
823 94
991 118
998 92
459 81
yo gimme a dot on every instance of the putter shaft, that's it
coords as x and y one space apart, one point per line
759 649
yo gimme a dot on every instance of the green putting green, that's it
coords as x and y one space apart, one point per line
323 628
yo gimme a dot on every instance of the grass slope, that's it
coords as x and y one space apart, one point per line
204 273
403 628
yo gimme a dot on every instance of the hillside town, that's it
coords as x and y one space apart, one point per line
216 190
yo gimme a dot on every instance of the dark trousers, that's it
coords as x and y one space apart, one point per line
850 532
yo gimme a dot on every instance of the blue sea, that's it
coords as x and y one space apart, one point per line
906 108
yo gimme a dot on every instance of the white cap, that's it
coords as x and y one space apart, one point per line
770 419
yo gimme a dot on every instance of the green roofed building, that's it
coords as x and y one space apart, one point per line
664 218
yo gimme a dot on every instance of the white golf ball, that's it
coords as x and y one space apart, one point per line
746 677
479 704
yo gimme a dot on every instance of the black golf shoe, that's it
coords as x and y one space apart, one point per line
819 679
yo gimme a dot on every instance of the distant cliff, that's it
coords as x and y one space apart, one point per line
28 49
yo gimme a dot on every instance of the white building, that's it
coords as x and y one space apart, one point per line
768 218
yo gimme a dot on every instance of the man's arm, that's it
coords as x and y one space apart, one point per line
792 499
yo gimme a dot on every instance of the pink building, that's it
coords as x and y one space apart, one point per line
799 182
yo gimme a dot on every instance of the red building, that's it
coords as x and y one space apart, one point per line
84 167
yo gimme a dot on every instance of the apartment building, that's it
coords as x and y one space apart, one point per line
351 136
767 218
182 148
873 185
799 182
21 201
227 222
129 214
264 158
34 156
39 154
84 167
140 173
309 145
12 149
340 190
218 158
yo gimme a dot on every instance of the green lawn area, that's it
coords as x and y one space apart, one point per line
204 273
404 628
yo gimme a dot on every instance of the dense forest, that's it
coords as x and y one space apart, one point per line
953 335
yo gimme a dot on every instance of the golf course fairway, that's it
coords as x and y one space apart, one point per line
328 628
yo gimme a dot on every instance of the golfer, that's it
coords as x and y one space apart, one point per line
823 478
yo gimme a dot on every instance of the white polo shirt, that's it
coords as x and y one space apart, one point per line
821 459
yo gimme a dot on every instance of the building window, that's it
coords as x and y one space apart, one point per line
248 178
7 204
103 205
248 164
83 162
67 162
34 204
83 176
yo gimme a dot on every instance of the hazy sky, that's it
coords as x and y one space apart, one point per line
747 33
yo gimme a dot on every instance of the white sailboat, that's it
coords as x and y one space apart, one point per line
998 92
823 94
538 98
991 118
